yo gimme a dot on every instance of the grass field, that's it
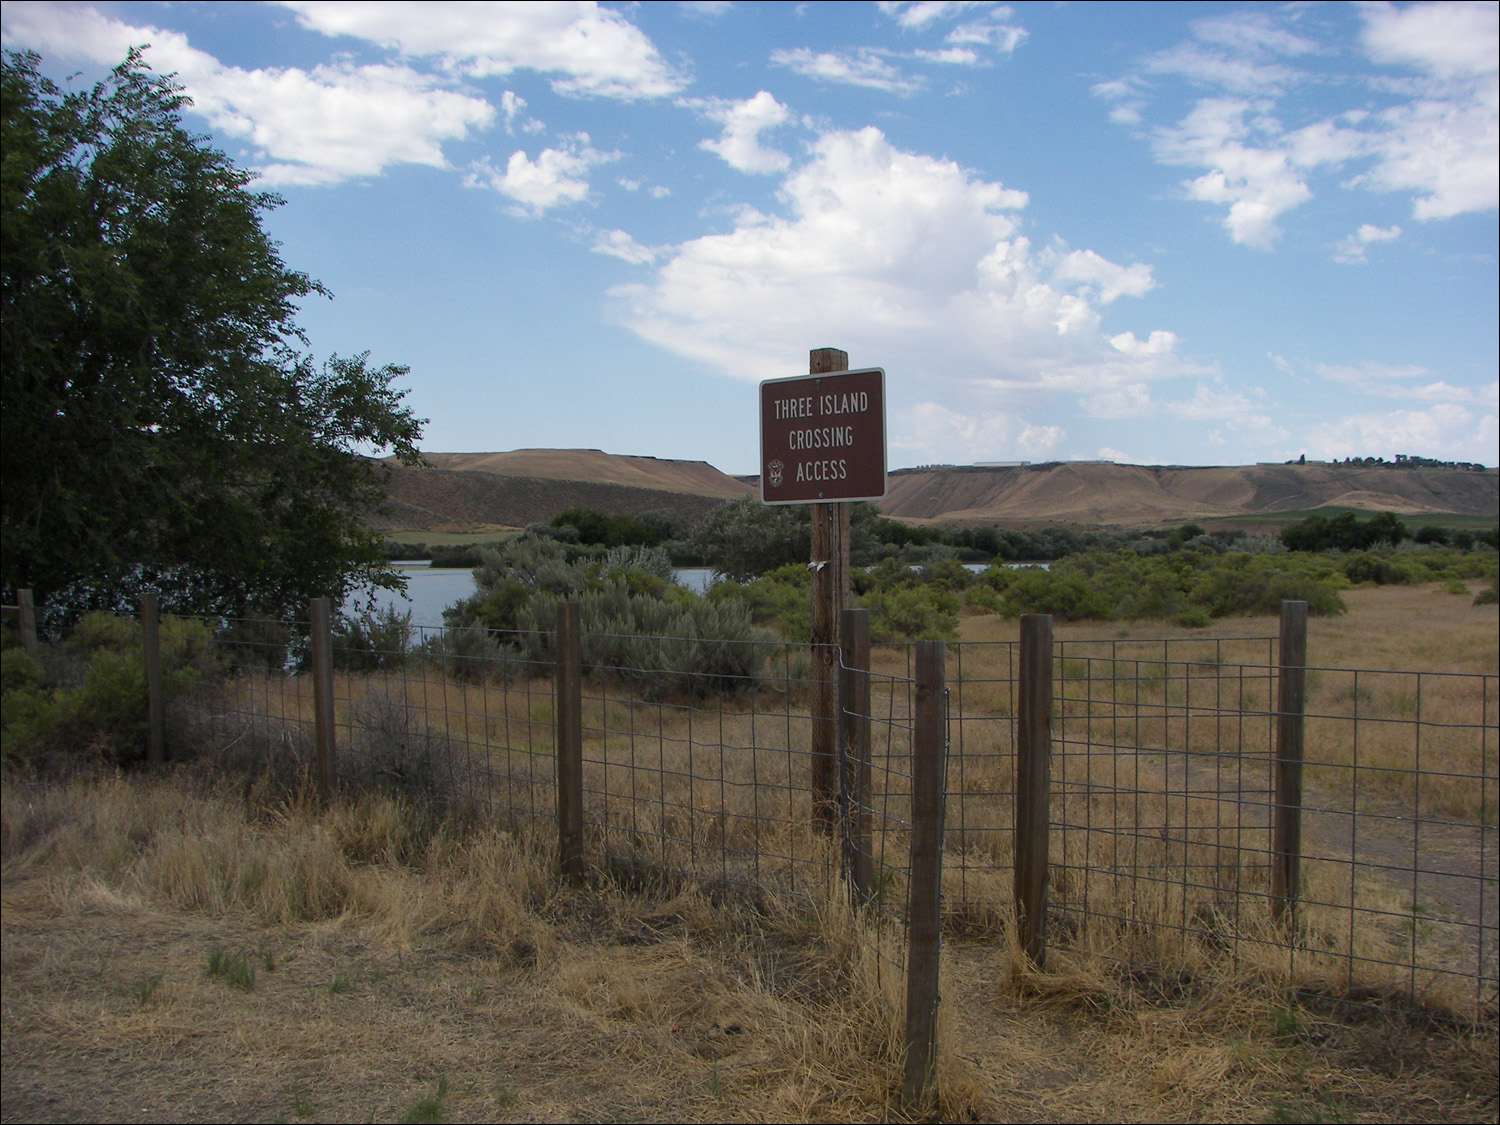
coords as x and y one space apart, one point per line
200 948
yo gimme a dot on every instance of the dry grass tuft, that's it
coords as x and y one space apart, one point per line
777 1009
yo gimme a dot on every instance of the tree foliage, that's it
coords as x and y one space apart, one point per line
163 427
1344 532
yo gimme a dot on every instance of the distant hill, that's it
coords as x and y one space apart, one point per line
485 491
1140 495
489 491
594 466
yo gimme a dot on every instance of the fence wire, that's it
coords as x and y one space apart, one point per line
1162 796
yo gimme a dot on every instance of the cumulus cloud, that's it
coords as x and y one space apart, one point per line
1446 430
1445 151
1258 182
1352 249
1447 40
558 176
744 122
961 438
1436 138
595 51
912 263
619 244
1102 276
319 126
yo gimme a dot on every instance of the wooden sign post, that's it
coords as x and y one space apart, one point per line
823 443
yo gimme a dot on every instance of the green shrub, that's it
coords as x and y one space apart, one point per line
373 640
1368 567
1188 586
780 599
1065 594
93 701
638 624
910 613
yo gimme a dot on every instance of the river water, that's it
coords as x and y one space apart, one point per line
431 590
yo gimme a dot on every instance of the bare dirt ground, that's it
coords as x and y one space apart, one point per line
633 1008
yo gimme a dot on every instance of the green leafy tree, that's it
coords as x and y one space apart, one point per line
162 426
742 539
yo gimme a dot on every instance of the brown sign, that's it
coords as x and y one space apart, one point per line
822 437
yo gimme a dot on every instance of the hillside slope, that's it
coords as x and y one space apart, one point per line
1103 493
697 478
474 500
473 490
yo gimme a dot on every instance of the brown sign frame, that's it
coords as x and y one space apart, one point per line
822 438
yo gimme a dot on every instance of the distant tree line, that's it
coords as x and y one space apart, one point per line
744 539
1412 461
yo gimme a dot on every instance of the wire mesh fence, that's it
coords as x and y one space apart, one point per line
1162 808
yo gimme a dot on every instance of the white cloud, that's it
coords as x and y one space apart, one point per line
865 67
322 126
921 14
1252 33
511 105
908 262
1126 101
1445 151
993 29
743 122
1352 249
597 51
619 244
1409 382
1218 70
1240 52
1439 141
1447 40
705 9
952 56
557 176
961 438
1258 183
1002 36
1447 431
1103 276
1208 403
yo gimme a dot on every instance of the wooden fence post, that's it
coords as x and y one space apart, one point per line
26 620
925 893
854 751
322 672
155 702
568 711
830 594
1033 783
1291 713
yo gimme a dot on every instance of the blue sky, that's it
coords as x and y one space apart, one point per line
1159 233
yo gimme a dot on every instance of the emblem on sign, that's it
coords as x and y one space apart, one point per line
774 469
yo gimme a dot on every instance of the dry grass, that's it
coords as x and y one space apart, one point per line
468 983
470 961
709 971
1161 770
